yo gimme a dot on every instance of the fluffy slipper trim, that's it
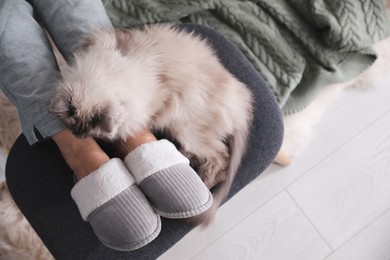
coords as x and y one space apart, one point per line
153 157
101 185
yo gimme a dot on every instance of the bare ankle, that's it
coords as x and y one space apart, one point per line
124 147
82 155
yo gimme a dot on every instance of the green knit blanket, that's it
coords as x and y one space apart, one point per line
299 46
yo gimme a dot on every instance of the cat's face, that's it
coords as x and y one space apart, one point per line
85 116
103 93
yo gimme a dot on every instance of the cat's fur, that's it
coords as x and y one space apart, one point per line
162 79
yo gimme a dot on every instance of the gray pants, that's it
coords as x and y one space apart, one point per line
28 70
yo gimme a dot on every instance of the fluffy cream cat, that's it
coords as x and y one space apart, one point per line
164 79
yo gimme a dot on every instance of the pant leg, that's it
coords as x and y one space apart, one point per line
40 182
69 21
28 70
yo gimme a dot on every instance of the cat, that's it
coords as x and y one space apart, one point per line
165 79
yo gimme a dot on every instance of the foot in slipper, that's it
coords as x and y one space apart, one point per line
118 211
171 185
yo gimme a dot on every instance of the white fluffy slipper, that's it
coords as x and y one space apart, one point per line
116 208
165 176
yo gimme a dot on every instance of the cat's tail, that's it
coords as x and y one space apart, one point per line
237 146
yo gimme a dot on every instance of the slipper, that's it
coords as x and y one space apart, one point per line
164 175
118 211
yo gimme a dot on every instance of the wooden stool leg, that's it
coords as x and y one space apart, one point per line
282 159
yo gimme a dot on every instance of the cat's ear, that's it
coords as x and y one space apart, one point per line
106 120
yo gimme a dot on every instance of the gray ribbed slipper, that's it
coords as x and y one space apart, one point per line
166 178
118 211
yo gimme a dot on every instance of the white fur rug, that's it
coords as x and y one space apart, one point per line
299 126
18 240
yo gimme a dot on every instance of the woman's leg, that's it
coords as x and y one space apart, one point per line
28 70
28 76
40 180
70 21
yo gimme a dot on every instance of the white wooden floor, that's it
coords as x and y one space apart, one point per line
333 202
